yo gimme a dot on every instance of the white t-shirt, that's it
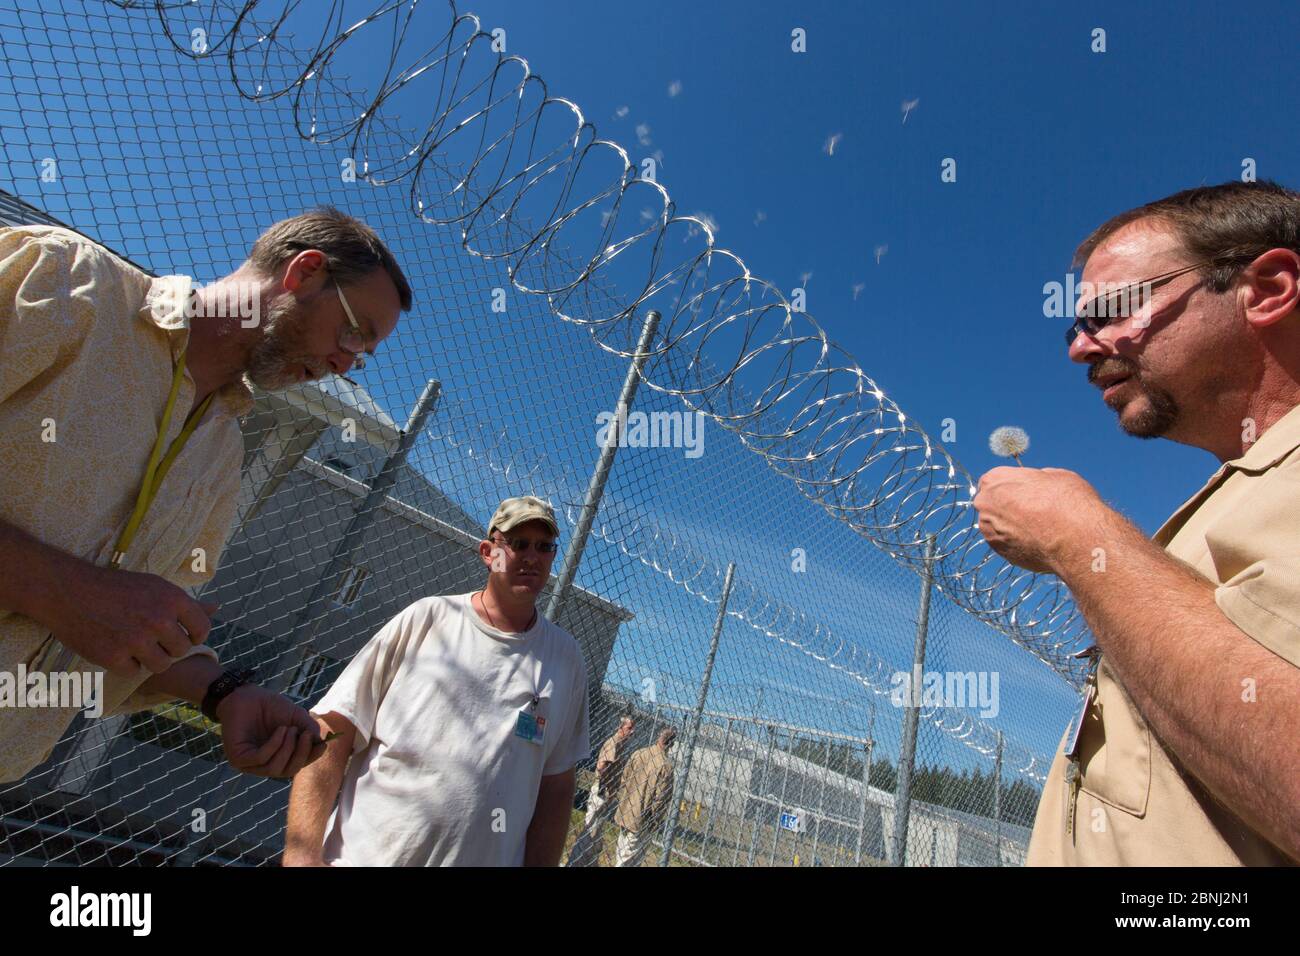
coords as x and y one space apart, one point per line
439 775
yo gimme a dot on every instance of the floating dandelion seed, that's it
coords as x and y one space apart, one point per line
1009 442
908 106
675 87
831 142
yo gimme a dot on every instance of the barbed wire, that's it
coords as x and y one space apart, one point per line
538 179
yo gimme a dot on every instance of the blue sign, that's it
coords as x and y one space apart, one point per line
790 821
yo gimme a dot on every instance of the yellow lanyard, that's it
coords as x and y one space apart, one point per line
159 464
155 472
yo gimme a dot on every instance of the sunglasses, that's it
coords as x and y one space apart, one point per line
1102 310
521 545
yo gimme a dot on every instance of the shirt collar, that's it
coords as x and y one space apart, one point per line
165 301
165 304
1281 438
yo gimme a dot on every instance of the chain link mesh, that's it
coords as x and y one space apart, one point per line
177 159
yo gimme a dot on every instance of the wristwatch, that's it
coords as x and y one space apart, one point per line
221 688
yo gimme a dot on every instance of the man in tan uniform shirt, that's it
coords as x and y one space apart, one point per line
644 794
600 802
1187 753
88 348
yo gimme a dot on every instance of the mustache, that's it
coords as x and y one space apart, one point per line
1110 366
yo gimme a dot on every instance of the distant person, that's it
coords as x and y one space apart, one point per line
105 516
460 724
1185 751
644 796
604 793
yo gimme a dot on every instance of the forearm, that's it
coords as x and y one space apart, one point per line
34 576
311 801
1188 670
187 679
544 843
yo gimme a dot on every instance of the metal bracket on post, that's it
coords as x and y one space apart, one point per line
679 789
911 718
596 487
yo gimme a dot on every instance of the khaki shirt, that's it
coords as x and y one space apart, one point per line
614 751
646 789
1136 805
85 368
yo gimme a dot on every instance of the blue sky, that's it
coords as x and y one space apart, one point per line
1050 139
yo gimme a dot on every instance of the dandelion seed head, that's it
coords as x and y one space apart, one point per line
1009 441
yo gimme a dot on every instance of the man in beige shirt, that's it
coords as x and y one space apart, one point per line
644 795
1187 751
90 350
604 793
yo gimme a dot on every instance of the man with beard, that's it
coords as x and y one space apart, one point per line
460 725
1184 751
120 396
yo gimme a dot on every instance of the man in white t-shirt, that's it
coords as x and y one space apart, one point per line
463 719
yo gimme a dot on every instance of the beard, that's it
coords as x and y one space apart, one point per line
1157 418
276 361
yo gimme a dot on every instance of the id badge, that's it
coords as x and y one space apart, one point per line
1071 746
530 728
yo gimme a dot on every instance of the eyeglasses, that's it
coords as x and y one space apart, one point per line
352 342
521 545
1102 310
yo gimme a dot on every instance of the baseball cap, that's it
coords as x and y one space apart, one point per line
515 511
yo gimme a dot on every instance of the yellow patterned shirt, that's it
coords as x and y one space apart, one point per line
86 363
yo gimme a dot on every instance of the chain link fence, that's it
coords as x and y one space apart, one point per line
810 731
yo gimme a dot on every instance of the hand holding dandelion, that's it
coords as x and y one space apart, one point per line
1009 442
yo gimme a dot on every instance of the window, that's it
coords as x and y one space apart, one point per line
307 679
351 581
340 464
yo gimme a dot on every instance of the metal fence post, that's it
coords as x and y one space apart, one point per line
821 800
785 779
767 763
997 805
862 806
717 783
680 787
868 744
361 519
596 487
911 717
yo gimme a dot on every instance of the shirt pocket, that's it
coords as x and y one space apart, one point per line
1115 749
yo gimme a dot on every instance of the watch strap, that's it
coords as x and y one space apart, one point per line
221 688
